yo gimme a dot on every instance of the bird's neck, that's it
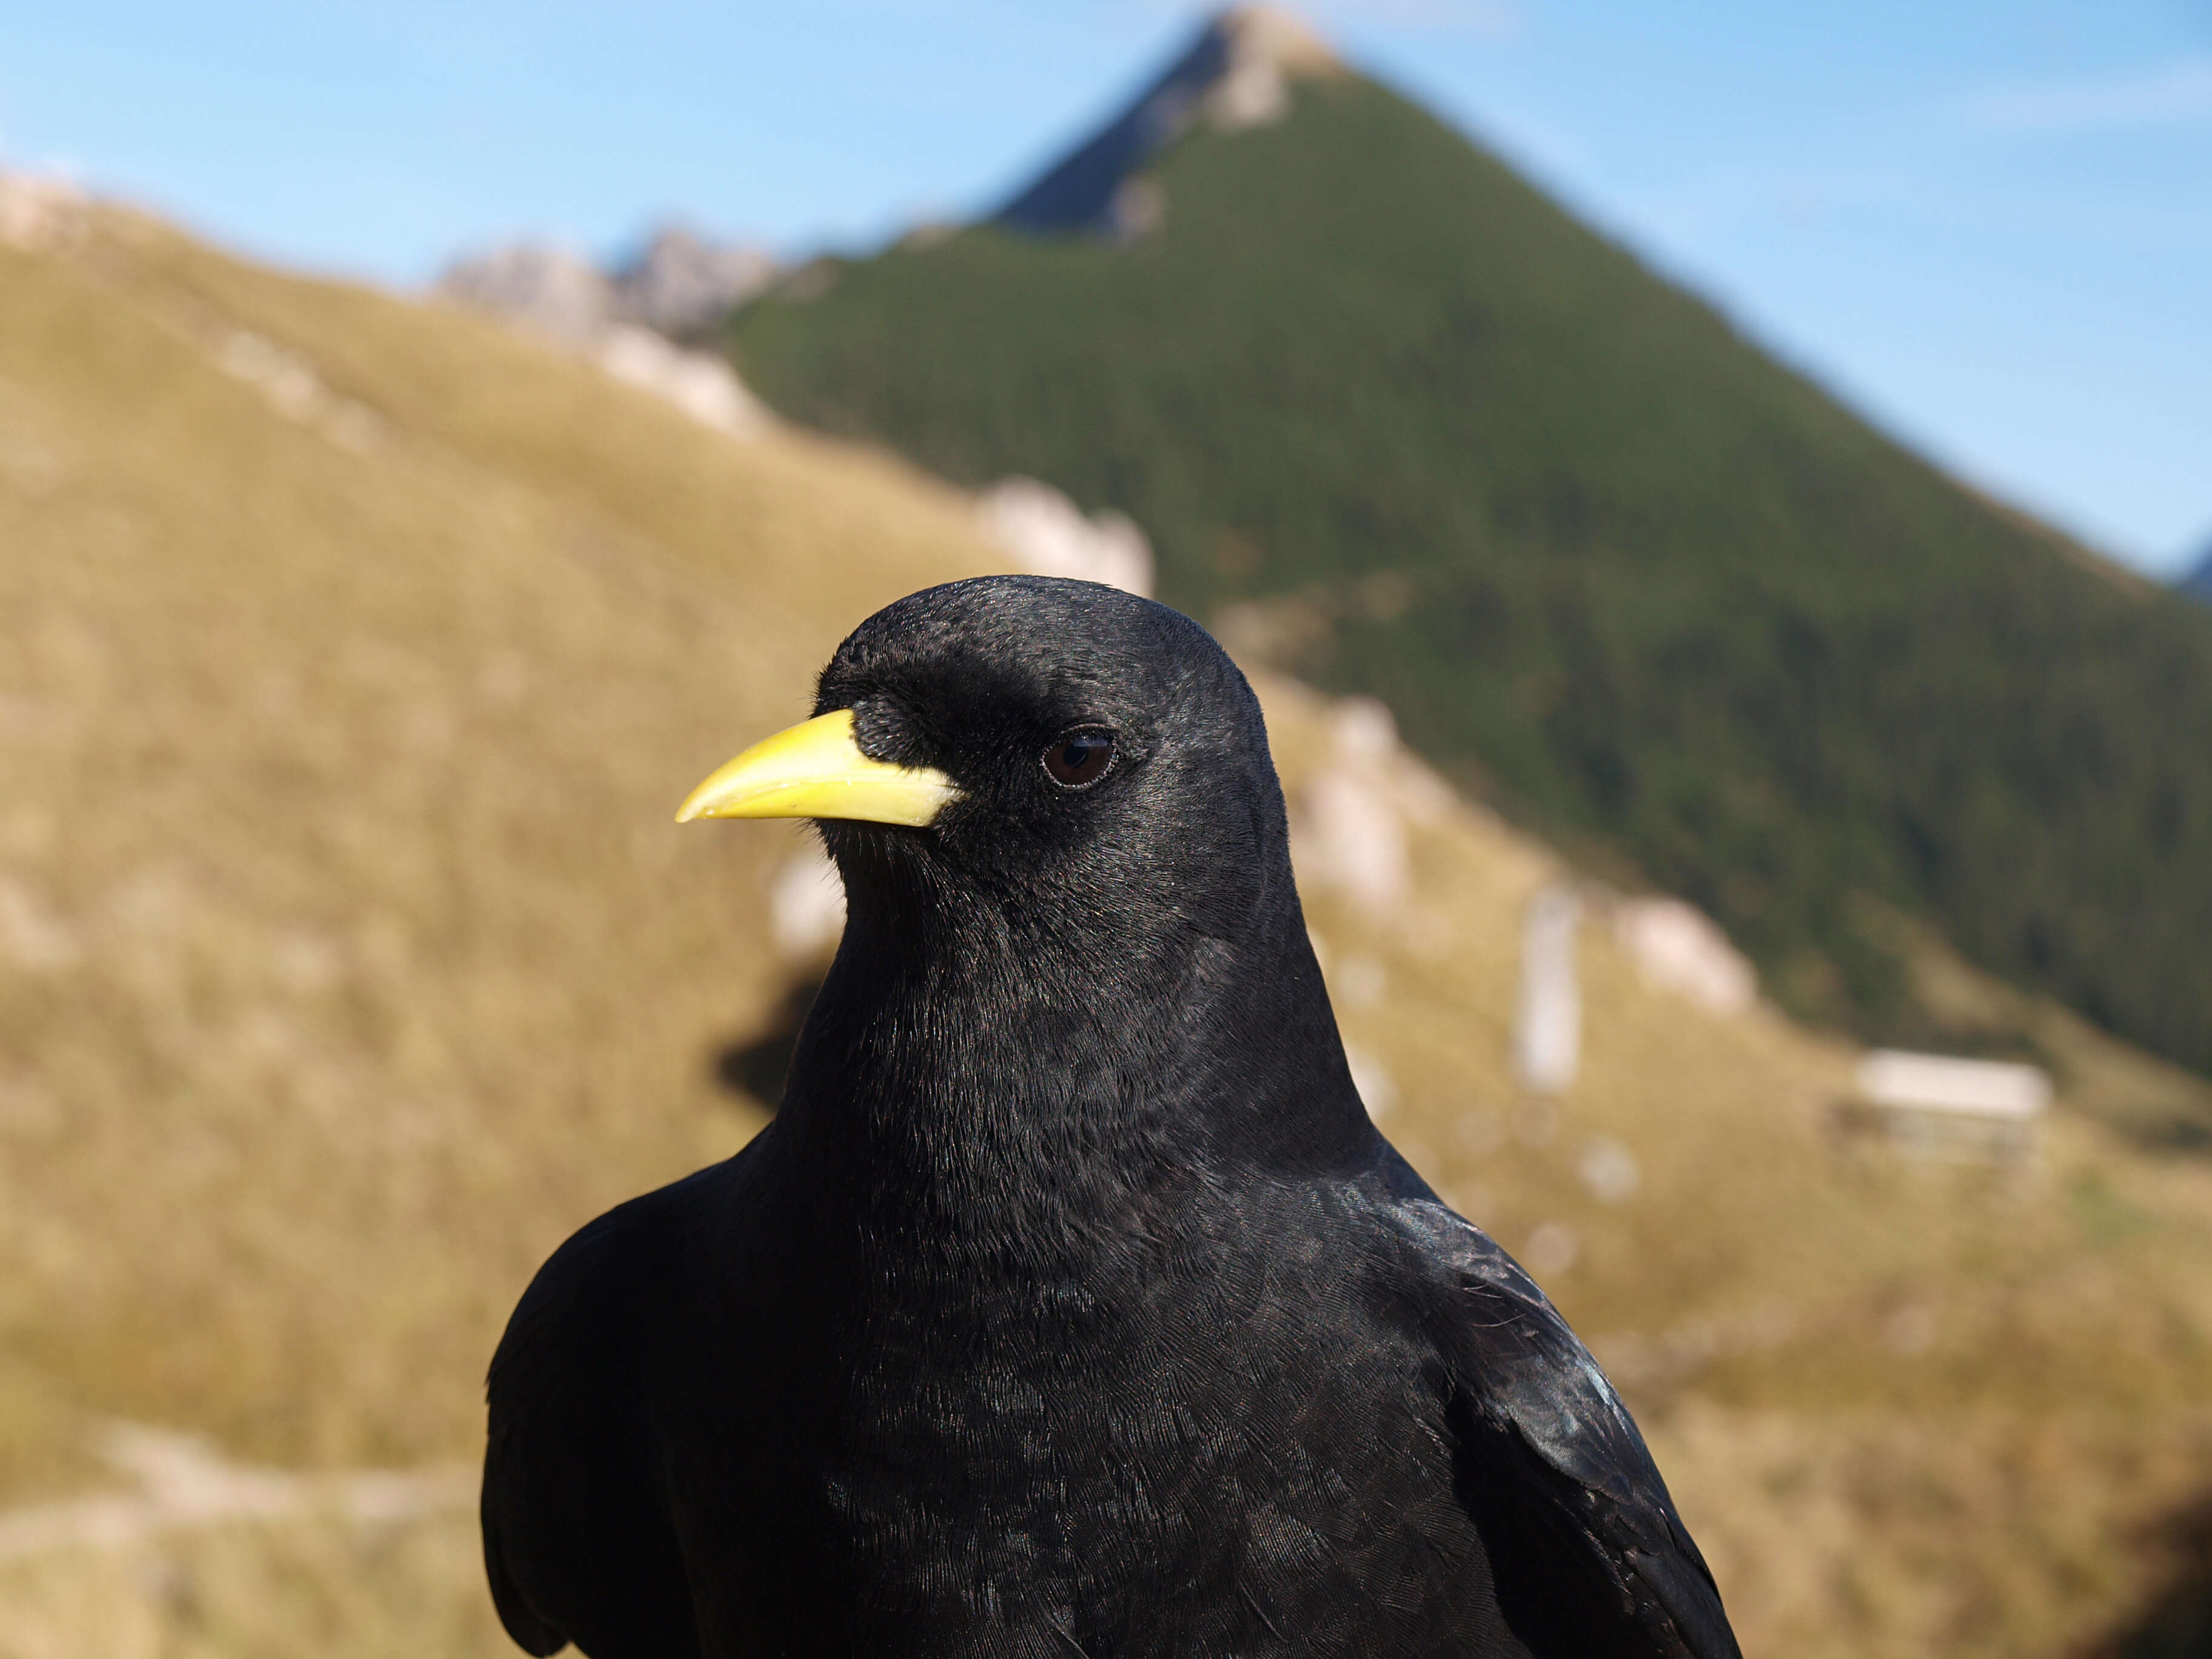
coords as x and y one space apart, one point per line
1083 1090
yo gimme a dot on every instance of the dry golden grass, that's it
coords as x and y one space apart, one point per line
356 655
322 1585
351 954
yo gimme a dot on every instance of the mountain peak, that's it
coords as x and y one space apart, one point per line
1236 73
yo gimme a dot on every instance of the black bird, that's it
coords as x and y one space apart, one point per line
1071 1305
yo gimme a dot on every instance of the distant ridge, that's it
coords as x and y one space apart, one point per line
1235 73
677 282
2199 581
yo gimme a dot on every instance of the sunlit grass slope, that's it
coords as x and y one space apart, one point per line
350 952
1607 560
356 656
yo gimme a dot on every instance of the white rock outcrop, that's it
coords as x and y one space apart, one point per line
1237 72
682 281
36 212
700 383
1267 49
622 320
1348 824
555 291
679 281
1046 534
1677 947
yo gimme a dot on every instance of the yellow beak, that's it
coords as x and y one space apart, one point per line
816 770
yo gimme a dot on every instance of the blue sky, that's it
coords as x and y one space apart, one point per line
1987 225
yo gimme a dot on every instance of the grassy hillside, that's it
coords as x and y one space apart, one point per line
1391 415
349 960
357 654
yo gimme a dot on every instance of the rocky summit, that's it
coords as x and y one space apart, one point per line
1237 74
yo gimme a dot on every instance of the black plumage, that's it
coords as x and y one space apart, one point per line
1071 1305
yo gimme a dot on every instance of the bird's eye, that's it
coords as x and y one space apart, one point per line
1077 759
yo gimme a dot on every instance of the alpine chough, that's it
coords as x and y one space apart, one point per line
1071 1304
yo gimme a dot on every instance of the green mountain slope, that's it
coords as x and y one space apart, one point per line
1384 407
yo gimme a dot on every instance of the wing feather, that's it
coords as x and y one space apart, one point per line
1592 1557
578 1545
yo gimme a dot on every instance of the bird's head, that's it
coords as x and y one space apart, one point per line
1067 874
1057 758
